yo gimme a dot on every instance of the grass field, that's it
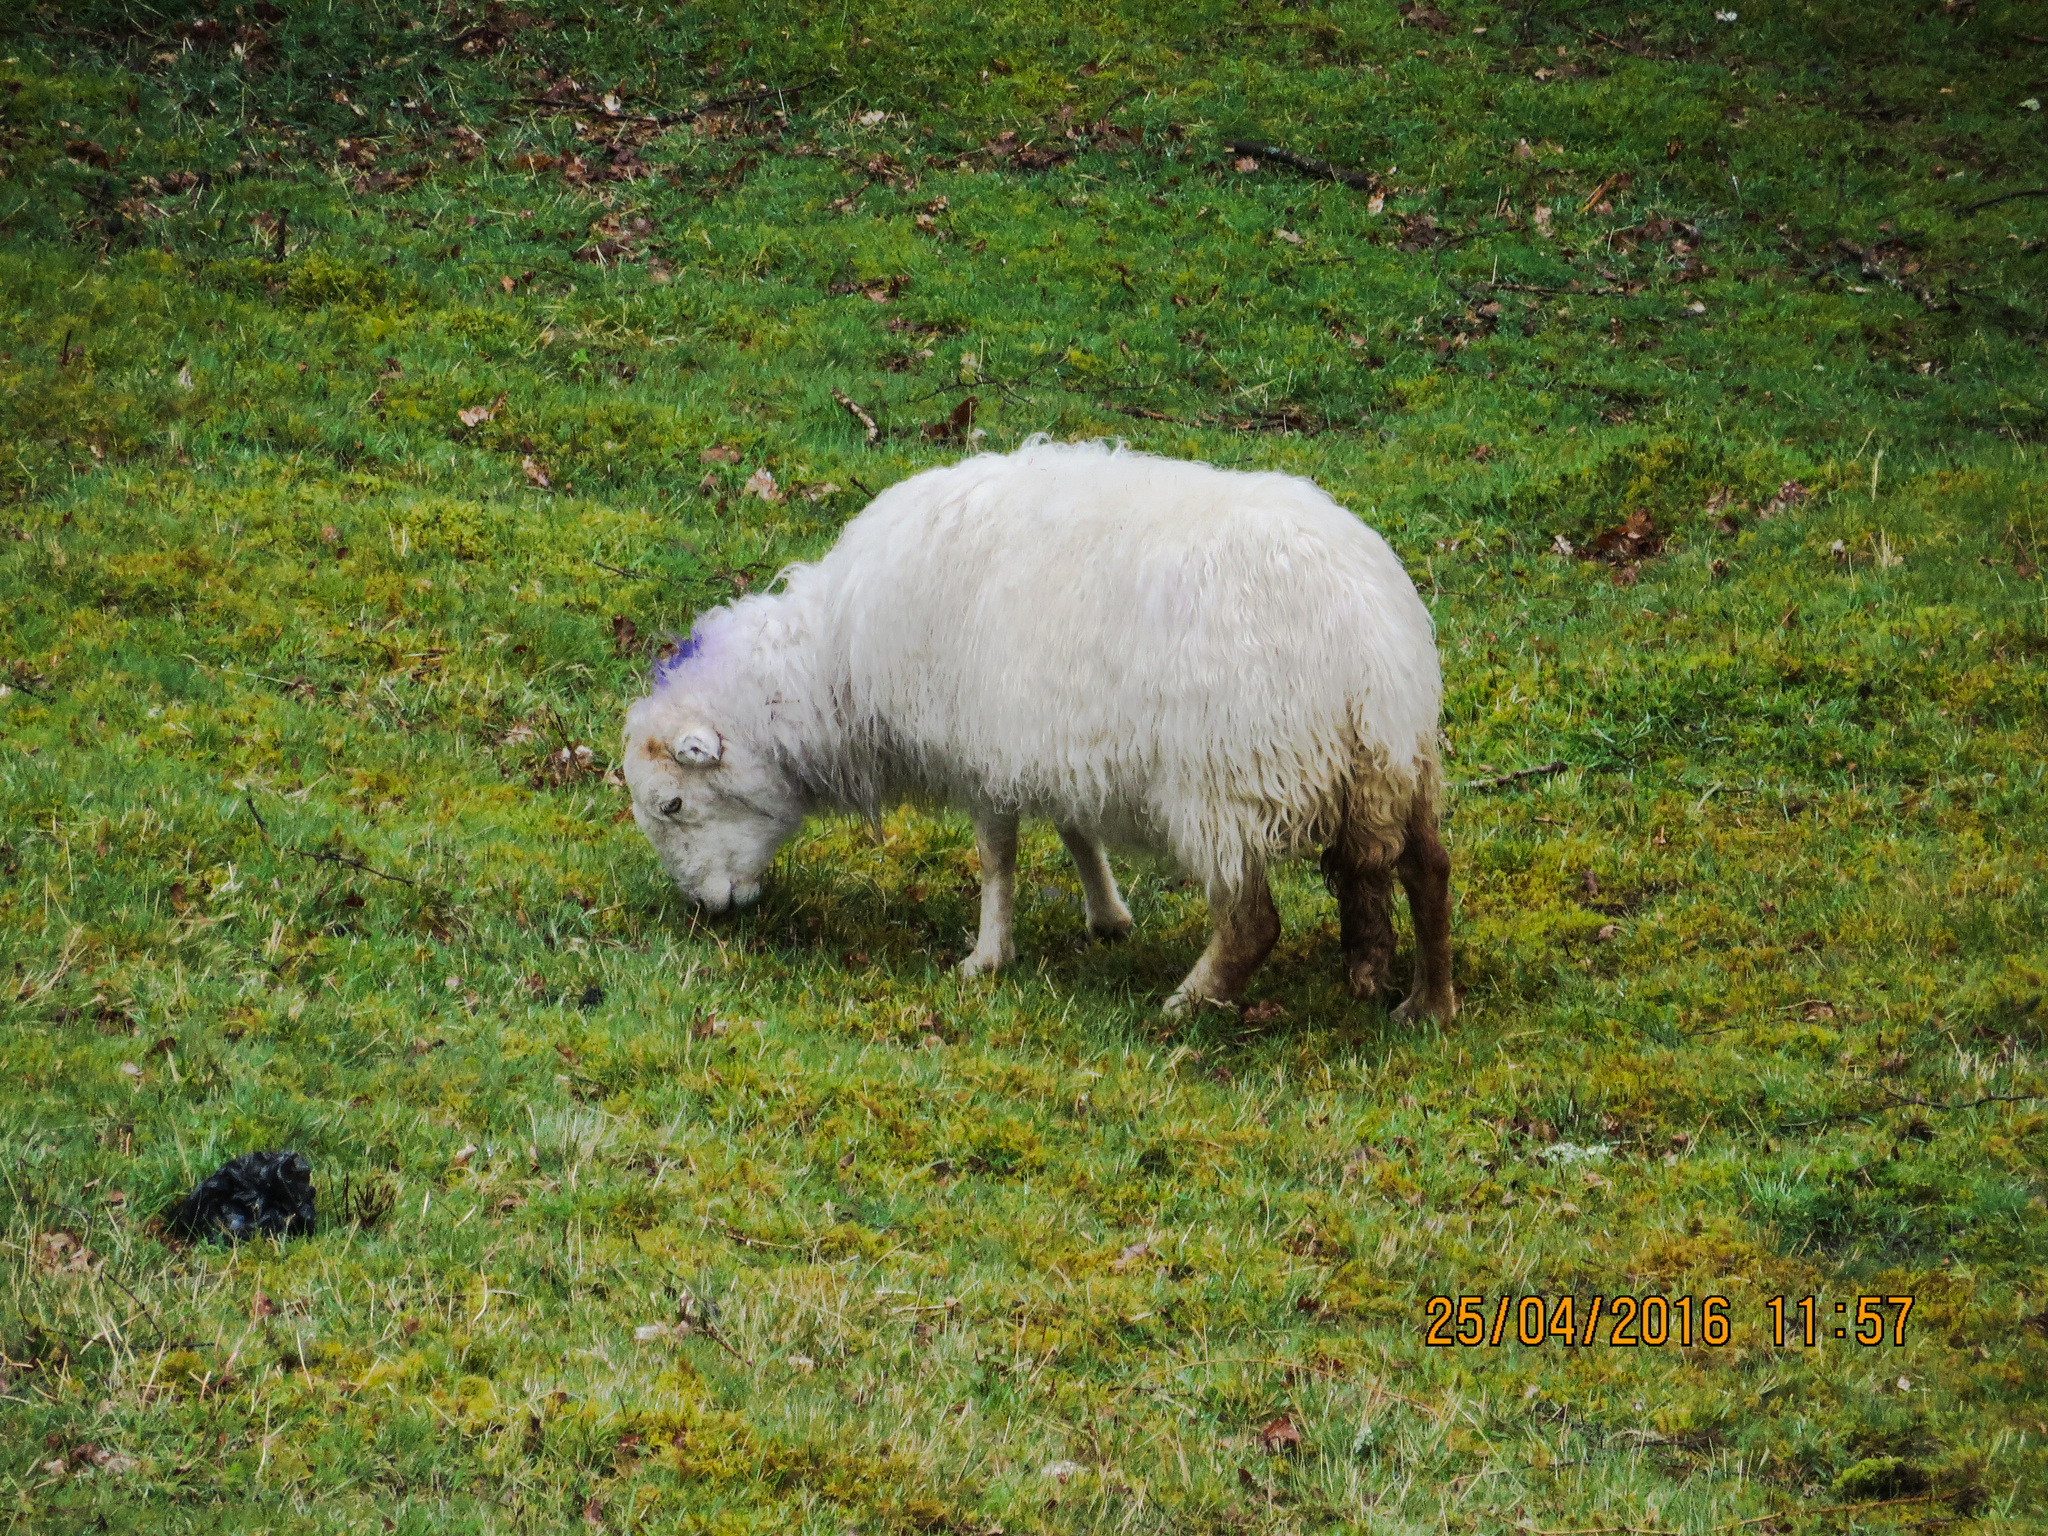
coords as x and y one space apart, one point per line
381 385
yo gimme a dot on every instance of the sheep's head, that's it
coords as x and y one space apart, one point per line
714 807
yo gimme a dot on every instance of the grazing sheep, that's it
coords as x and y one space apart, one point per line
1227 668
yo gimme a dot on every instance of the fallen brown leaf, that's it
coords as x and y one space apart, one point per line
536 472
1280 1435
1425 16
1634 541
62 1253
955 427
477 415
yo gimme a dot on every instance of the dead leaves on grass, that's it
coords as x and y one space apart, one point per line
1279 1436
955 427
477 415
1026 155
1636 539
619 238
61 1253
493 31
876 290
1425 16
1625 547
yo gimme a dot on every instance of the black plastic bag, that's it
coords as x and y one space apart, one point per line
268 1194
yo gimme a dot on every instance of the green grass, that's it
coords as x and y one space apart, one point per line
293 855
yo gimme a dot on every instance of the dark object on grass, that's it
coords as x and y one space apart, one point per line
592 997
1364 181
267 1194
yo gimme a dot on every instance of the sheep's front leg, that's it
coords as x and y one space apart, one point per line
1246 926
1108 917
995 840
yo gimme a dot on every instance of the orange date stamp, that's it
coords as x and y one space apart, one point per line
1655 1321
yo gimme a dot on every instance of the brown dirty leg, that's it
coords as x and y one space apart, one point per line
1363 888
1425 871
1244 928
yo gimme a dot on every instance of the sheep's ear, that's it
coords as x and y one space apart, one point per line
699 748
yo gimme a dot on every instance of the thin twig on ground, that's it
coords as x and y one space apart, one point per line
737 1236
318 857
853 409
1556 765
1992 1098
1364 181
2004 197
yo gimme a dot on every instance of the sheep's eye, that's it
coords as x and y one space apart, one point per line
670 807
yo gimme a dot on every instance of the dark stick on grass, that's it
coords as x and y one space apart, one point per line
1993 1098
703 1323
1557 765
2004 197
620 571
1364 181
148 1311
317 856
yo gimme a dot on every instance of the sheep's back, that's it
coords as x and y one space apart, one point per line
1161 649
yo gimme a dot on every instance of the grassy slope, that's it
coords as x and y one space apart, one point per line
254 564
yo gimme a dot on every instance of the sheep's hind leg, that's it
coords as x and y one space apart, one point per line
1246 927
1108 917
995 840
1366 931
1425 871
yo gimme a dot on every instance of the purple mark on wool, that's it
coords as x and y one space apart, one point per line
670 665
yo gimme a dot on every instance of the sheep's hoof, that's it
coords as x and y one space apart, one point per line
1418 1007
1112 929
1181 1004
979 964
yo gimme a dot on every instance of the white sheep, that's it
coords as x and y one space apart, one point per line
1228 668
